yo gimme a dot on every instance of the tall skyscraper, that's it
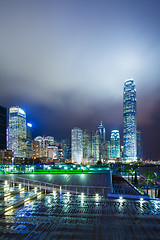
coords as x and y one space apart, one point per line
129 121
101 130
29 141
96 146
77 145
87 144
115 144
17 132
139 145
66 146
3 127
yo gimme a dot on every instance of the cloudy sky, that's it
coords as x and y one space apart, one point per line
65 62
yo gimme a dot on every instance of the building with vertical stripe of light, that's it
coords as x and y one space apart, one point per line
17 132
129 121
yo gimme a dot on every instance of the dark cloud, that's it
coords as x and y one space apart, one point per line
65 63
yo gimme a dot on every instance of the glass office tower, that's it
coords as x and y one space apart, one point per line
115 144
29 141
77 145
101 130
17 132
139 145
129 121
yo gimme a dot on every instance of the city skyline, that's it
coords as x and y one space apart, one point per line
69 60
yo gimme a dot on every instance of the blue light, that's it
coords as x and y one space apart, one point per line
29 124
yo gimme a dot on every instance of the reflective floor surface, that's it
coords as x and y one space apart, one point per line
80 217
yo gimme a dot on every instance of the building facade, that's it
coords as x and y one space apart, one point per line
29 141
65 144
139 145
3 127
101 130
17 132
115 144
87 144
77 145
96 146
129 121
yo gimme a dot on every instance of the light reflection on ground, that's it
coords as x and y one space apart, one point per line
82 217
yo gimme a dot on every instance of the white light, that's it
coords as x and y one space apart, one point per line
97 195
29 124
5 182
21 111
120 197
141 199
82 194
68 193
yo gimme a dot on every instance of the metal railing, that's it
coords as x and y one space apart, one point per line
50 187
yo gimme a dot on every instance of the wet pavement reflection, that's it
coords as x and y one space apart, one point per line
81 217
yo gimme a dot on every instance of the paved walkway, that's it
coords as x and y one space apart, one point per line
76 217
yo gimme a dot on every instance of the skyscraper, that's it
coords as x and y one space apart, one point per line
17 132
29 141
139 145
101 130
96 146
115 144
77 145
129 121
3 127
87 144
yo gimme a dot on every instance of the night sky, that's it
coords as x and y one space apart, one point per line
65 62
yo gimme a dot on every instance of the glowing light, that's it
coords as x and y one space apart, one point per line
29 125
21 111
141 199
68 193
120 197
27 199
97 196
82 194
7 194
8 208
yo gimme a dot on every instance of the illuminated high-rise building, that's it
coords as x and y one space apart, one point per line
77 145
17 132
96 146
87 144
29 141
106 150
139 145
101 130
129 121
115 144
44 143
65 144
